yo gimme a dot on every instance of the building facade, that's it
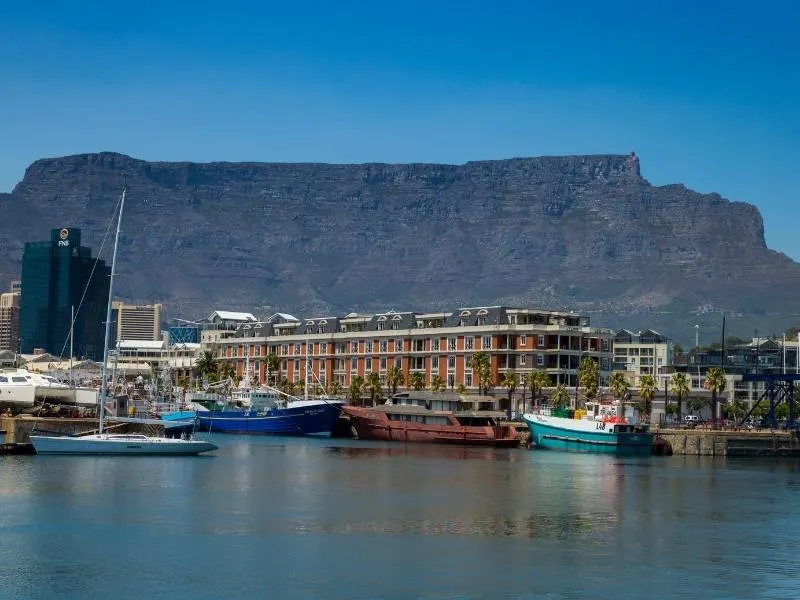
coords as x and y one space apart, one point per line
140 322
9 318
57 276
643 353
434 343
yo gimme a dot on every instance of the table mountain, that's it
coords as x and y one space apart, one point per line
585 233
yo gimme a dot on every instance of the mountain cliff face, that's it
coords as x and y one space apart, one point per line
585 233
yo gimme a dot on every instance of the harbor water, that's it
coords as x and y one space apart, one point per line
340 519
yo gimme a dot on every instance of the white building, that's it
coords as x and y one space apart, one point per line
643 353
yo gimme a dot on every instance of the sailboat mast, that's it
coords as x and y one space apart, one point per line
71 337
308 371
104 385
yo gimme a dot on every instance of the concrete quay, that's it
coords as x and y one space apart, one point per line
729 442
18 429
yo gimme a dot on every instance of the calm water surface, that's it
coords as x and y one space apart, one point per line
310 518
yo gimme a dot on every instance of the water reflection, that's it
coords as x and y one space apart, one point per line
322 519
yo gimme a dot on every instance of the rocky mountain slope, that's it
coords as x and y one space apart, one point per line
585 233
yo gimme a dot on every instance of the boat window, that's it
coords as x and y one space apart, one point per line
3 379
19 379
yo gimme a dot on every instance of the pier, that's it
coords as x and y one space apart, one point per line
729 442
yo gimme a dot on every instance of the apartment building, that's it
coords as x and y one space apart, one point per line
643 353
9 318
431 343
141 322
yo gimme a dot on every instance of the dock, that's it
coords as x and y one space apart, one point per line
729 442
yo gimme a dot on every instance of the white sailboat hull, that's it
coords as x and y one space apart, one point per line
119 444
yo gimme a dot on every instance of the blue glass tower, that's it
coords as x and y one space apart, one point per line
56 276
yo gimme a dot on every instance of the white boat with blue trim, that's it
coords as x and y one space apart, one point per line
597 430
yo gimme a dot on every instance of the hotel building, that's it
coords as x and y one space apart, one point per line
432 343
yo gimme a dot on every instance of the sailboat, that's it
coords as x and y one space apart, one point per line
102 443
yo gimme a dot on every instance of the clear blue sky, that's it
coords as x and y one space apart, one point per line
707 93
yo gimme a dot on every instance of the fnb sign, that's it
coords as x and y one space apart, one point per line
63 235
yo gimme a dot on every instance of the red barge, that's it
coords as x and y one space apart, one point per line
414 422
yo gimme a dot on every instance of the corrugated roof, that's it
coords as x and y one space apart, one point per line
229 315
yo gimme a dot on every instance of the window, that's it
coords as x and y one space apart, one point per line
285 349
486 343
451 362
296 366
309 328
398 362
340 348
604 364
523 340
451 381
395 325
462 322
380 325
468 379
321 329
522 360
369 347
368 366
539 360
481 320
469 343
540 341
353 364
468 362
383 364
323 347
384 345
451 343
354 347
297 349
435 346
605 345
398 345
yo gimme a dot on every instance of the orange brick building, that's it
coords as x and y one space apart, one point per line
443 343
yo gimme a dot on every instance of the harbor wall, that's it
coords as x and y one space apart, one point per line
690 442
18 429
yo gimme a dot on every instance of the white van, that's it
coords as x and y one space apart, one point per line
691 419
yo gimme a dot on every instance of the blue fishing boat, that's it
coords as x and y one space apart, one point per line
595 431
266 410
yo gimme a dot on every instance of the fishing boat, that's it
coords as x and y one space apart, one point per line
262 409
412 417
600 429
102 442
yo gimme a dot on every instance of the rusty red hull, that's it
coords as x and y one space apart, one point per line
371 424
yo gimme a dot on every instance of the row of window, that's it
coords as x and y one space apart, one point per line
419 364
429 345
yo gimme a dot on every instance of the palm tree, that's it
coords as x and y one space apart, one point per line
225 370
206 364
356 387
437 384
526 382
679 384
273 367
417 381
482 368
589 377
619 387
394 377
510 382
561 396
647 391
715 381
540 381
335 387
374 386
